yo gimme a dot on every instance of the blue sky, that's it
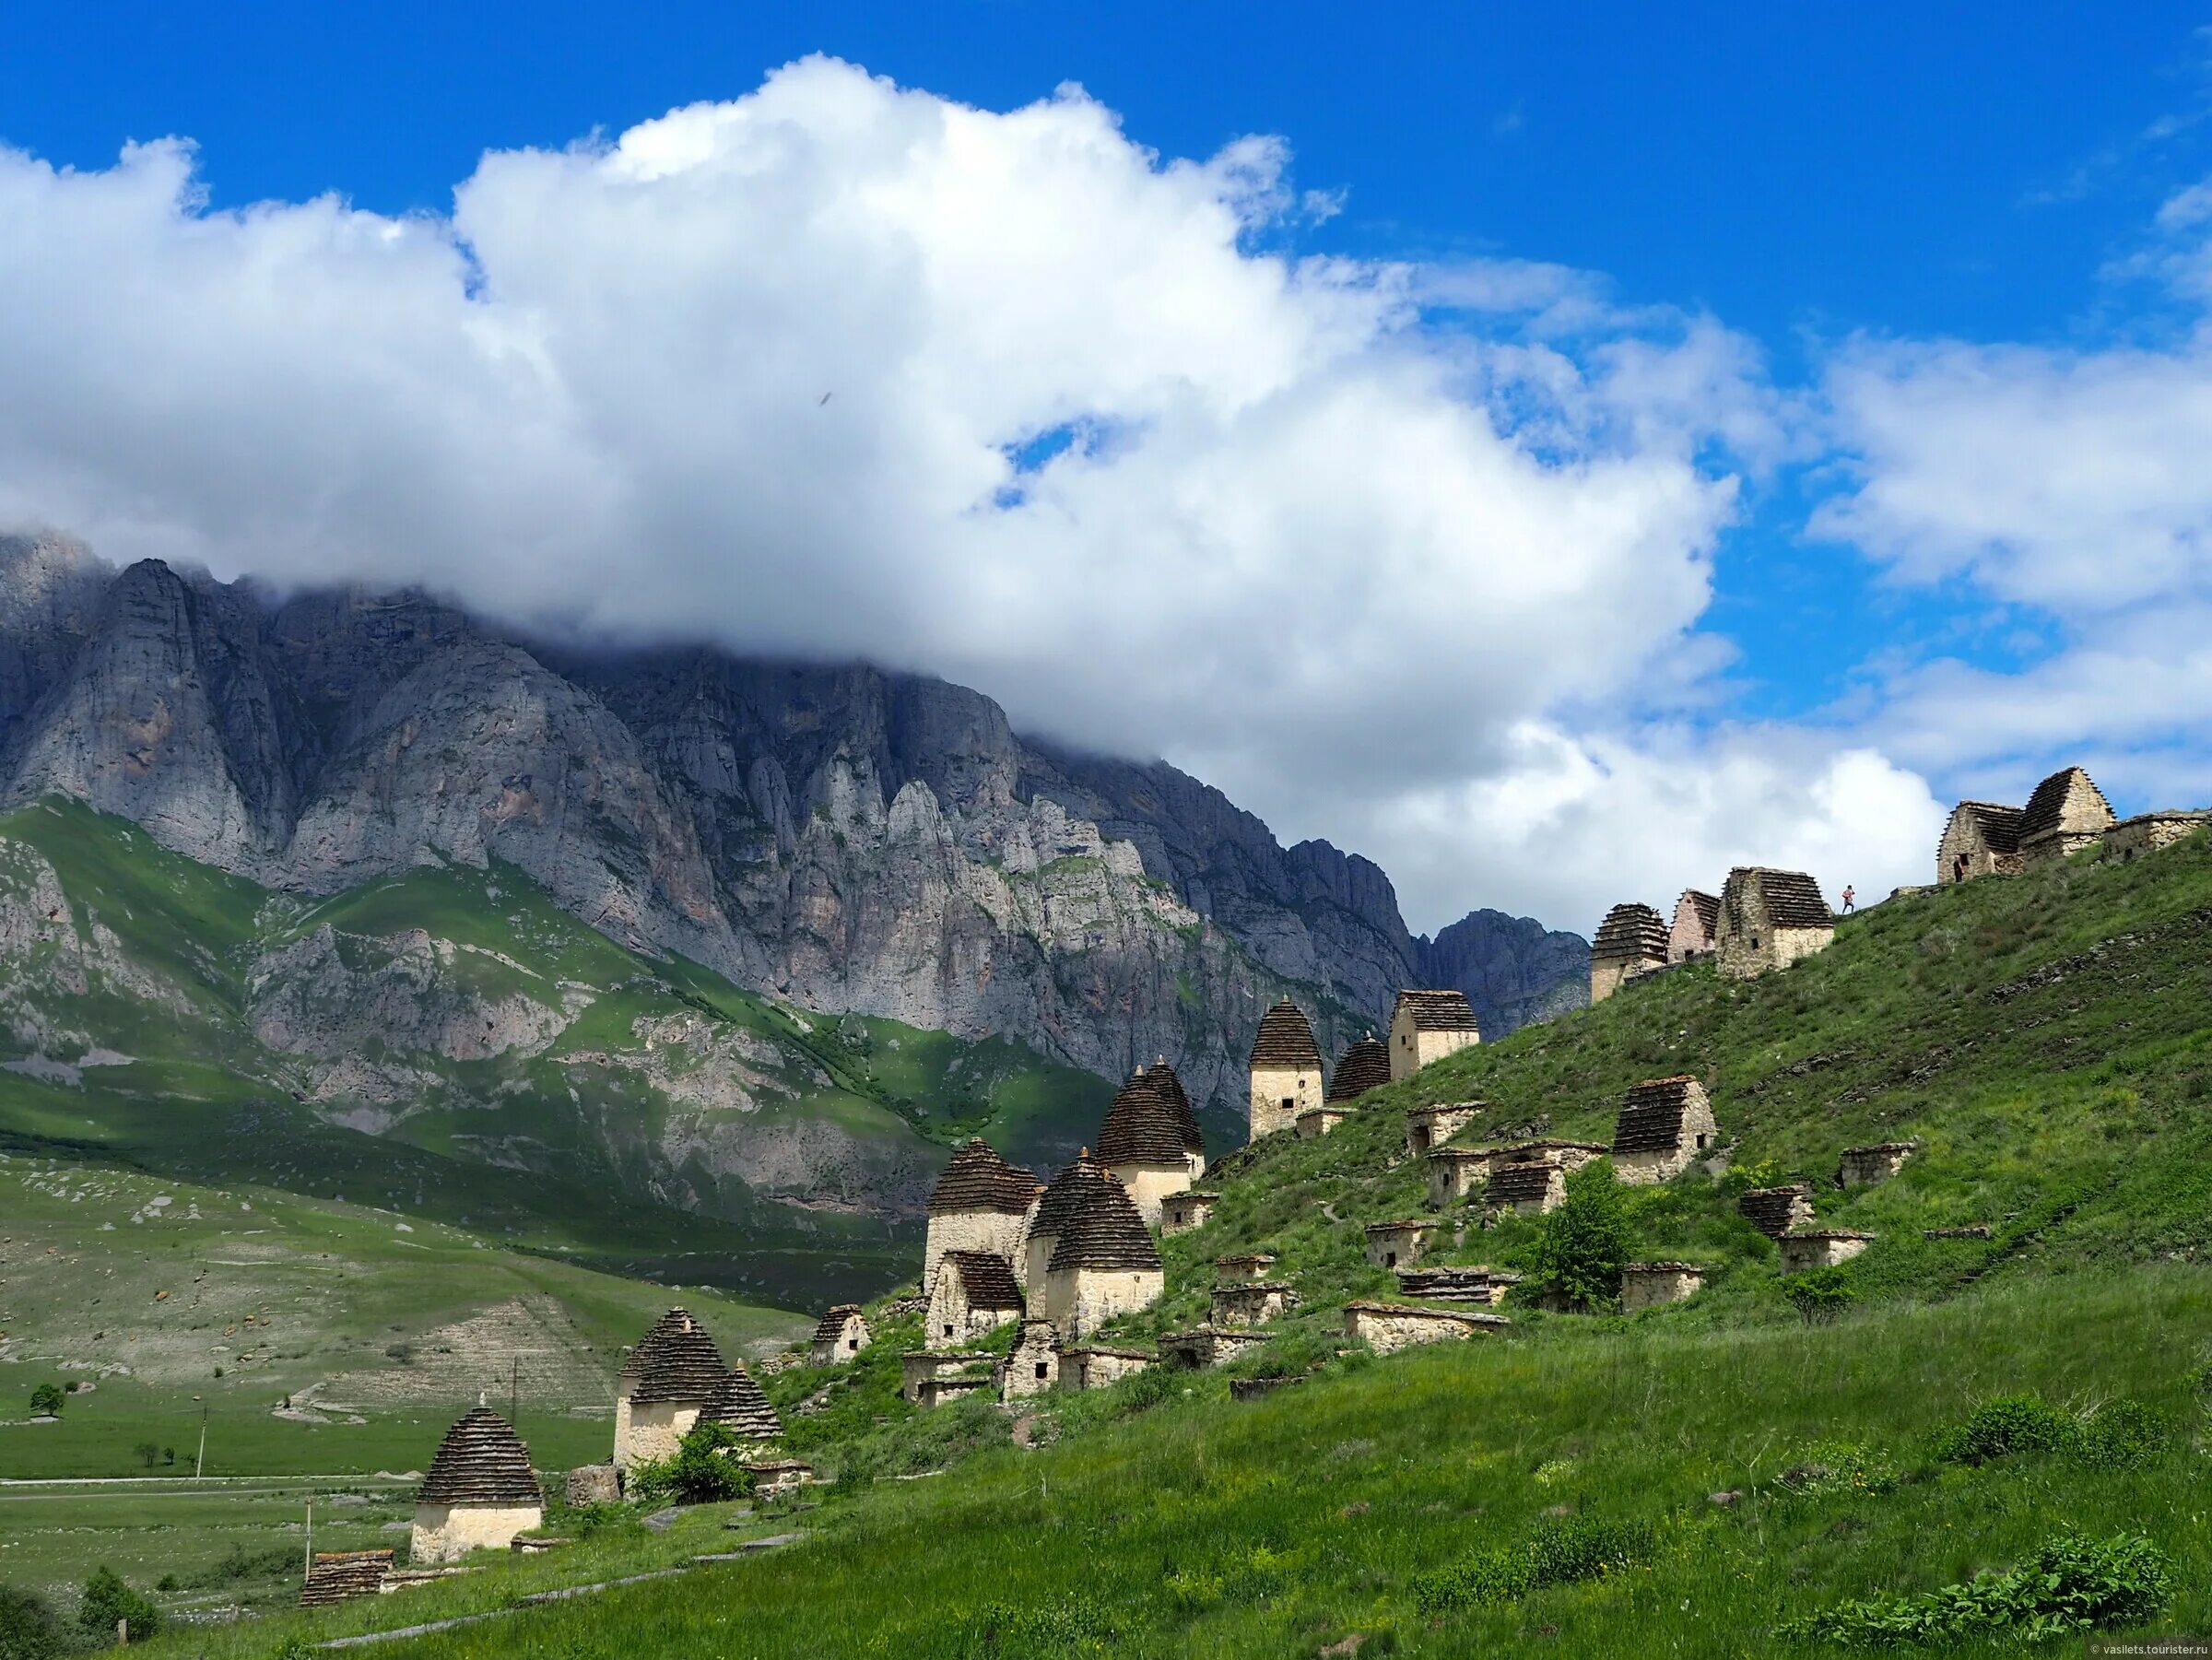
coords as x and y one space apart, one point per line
1881 188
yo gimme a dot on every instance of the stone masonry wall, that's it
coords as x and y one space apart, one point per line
1079 1301
1271 1089
443 1534
971 1230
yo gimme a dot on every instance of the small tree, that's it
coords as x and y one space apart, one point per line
1585 1240
148 1454
1820 1294
704 1470
106 1600
46 1400
169 1456
29 1627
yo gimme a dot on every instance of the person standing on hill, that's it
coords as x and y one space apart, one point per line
1850 899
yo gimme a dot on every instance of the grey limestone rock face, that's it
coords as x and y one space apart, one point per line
852 839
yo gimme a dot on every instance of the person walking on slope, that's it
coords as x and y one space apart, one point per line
1850 902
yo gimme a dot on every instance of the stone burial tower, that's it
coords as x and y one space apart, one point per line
480 1491
1286 1070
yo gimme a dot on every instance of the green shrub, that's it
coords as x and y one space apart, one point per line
1555 1553
1820 1294
107 1599
2071 1584
703 1469
2122 1435
1826 1467
1067 1622
1581 1245
29 1627
2010 1423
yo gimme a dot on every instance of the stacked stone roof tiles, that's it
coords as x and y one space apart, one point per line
1519 1184
1104 1229
737 1404
2068 792
1793 899
1999 826
978 1178
833 1324
1365 1066
674 1361
342 1575
480 1462
987 1279
1706 905
1144 1127
1438 1011
1064 1195
1631 930
1651 1119
1286 1040
1170 1085
1771 1209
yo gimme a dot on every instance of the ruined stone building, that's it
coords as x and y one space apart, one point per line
1458 1173
1775 1210
1427 1026
843 1333
975 1293
1666 1125
1316 1122
1647 1284
1810 1247
1454 1284
1530 1179
1033 1367
1180 1212
1150 1142
672 1373
1104 1264
1697 926
1427 1128
2066 814
1980 839
930 1377
341 1575
1387 1327
1630 941
980 1203
1207 1346
1364 1066
1864 1166
1240 1303
480 1491
1770 919
2130 839
1094 1367
1398 1244
739 1407
1286 1070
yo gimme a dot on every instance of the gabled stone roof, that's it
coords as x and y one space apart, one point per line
674 1361
737 1404
1632 931
1409 1225
2068 795
1517 1183
979 1180
341 1575
987 1279
1651 1119
1286 1040
833 1324
1436 1011
1769 1208
1706 906
1104 1230
1997 825
1143 1126
1791 898
1365 1066
481 1462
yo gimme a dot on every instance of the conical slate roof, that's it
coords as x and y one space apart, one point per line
2068 799
737 1404
978 1178
1143 1126
482 1462
1364 1067
1631 930
1171 1086
1286 1040
674 1362
1065 1195
1105 1231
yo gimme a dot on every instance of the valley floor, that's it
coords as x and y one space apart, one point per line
1337 1509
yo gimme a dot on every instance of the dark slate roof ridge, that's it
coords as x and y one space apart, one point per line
1632 929
1364 1066
1142 1125
1286 1040
481 1462
1170 1084
738 1403
1063 1194
1662 1268
677 1361
977 1179
2046 807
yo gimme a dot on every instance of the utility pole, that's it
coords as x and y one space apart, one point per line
307 1570
200 1463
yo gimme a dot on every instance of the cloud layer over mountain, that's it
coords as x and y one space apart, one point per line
1413 558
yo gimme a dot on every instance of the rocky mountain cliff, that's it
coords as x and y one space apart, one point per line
843 838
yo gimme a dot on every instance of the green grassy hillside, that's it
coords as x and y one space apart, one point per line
2046 1039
